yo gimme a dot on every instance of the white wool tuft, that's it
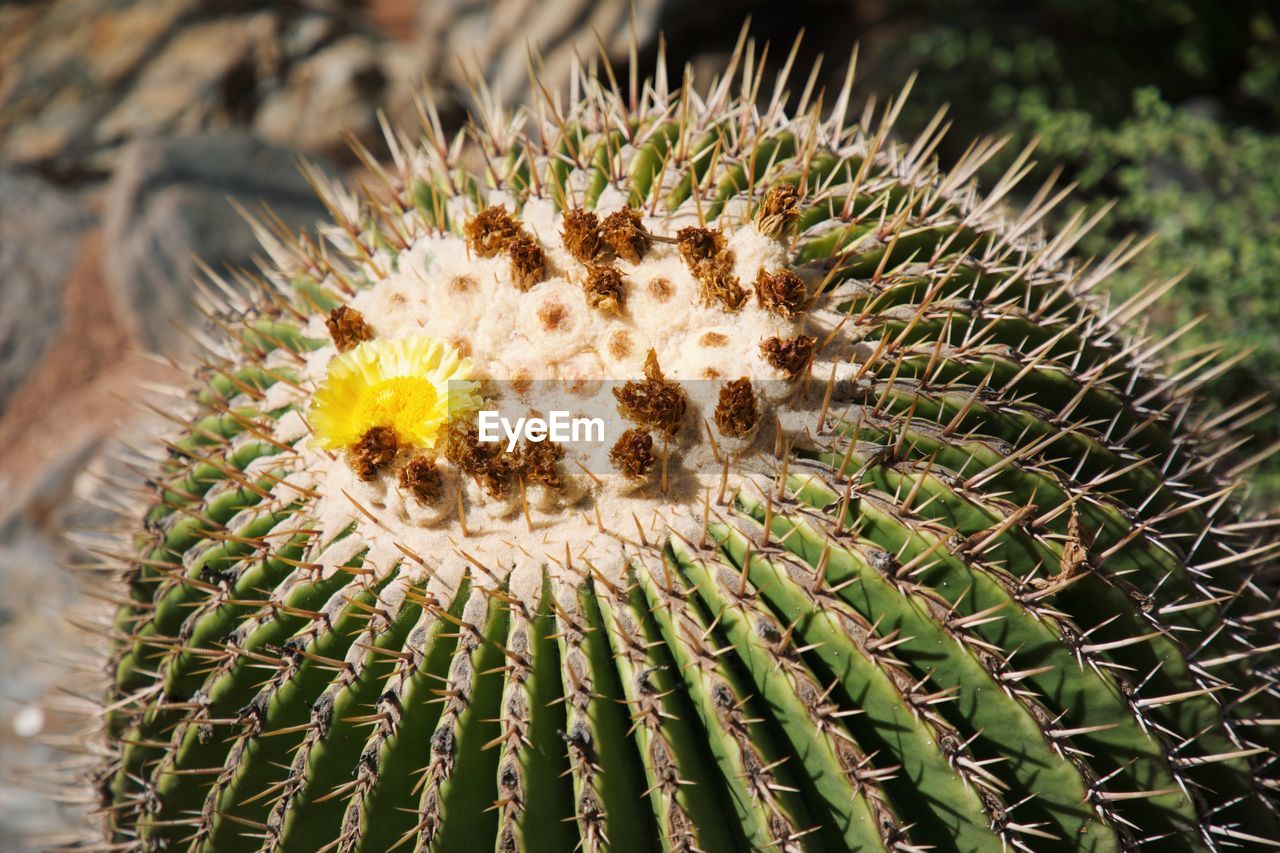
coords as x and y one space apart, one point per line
438 287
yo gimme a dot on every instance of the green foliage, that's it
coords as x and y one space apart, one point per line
1172 111
1211 193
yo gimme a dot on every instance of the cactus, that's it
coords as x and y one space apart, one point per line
949 561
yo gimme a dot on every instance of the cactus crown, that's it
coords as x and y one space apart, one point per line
944 561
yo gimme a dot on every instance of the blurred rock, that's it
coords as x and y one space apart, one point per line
84 77
34 636
326 96
491 42
40 226
394 17
199 78
36 591
68 62
496 42
168 205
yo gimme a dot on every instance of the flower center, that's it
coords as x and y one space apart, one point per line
404 403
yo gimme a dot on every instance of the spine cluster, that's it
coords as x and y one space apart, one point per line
994 591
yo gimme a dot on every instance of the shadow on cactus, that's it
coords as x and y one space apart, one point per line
942 560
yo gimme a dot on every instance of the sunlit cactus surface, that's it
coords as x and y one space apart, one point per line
907 543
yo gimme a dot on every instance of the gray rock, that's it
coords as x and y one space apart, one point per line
40 228
327 96
495 42
168 205
35 642
83 78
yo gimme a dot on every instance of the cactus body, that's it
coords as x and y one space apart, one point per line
972 579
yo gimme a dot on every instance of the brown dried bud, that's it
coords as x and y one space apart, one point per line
698 244
655 403
704 252
374 451
653 370
791 355
421 478
539 462
625 234
778 212
783 292
736 413
717 283
483 461
528 262
632 454
581 235
490 230
347 328
604 288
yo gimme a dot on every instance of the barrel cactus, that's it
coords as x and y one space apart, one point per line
907 544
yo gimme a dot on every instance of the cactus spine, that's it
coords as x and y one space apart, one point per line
973 579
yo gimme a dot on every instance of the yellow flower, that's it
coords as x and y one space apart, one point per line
410 384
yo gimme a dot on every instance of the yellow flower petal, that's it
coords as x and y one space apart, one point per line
412 385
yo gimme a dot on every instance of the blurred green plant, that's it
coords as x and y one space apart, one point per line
1211 192
1172 109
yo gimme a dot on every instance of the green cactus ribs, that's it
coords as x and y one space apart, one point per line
947 559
